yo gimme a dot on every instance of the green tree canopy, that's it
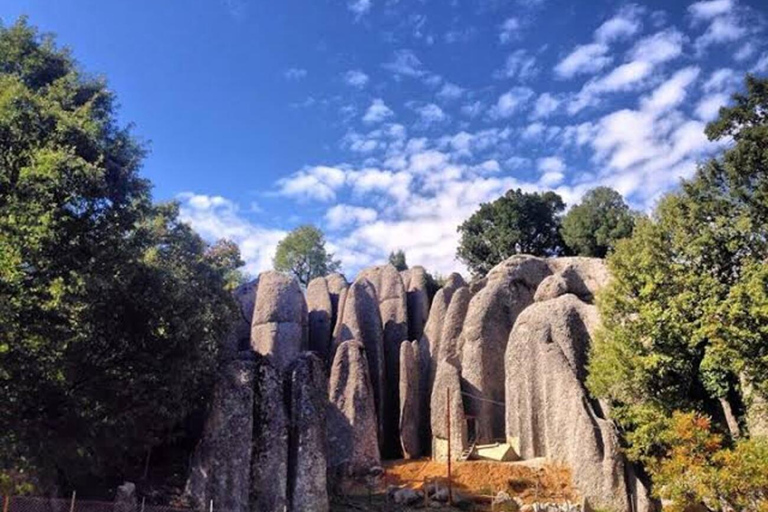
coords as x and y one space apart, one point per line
397 259
593 227
518 222
111 307
302 253
684 313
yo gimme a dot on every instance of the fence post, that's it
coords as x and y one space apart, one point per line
6 503
426 493
72 503
448 423
210 508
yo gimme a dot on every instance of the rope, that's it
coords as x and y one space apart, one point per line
495 402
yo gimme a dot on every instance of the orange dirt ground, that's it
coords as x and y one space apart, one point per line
530 481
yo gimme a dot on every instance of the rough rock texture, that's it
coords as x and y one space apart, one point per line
279 326
584 276
551 287
307 450
361 321
320 310
125 498
450 337
269 469
337 288
393 307
239 337
509 289
447 380
415 282
222 460
548 409
410 400
352 426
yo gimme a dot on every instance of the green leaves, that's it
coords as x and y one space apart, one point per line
302 253
593 227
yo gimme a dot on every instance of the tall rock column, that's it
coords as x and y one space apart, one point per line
410 400
279 326
415 282
307 452
320 310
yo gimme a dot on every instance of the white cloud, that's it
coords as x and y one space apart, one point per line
707 10
672 92
319 183
356 78
545 105
553 171
431 114
377 112
511 101
761 66
215 217
626 23
360 7
723 79
521 65
450 91
396 184
709 106
584 59
509 30
659 48
405 63
473 109
344 215
295 73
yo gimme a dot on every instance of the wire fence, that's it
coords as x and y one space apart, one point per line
36 504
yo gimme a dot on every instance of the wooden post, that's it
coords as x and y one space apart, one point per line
6 503
72 503
143 502
424 488
448 423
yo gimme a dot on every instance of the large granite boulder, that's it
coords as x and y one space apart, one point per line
447 406
361 321
239 337
222 460
581 276
320 310
415 282
337 288
279 326
269 468
307 439
410 400
549 412
508 290
450 337
393 307
353 447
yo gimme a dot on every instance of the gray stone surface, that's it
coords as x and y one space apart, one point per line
352 424
549 412
410 400
125 498
279 326
361 321
447 379
320 309
509 289
239 337
222 459
584 276
307 438
269 468
337 288
450 337
418 301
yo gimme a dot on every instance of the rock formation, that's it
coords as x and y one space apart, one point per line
307 451
222 460
320 309
269 469
352 424
448 382
337 288
239 338
548 410
410 400
450 336
279 326
509 288
361 321
415 282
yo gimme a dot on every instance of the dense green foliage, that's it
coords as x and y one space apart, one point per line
593 227
397 259
516 223
685 313
302 253
111 307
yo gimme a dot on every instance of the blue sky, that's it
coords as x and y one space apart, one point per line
386 122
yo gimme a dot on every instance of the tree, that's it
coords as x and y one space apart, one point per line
111 307
518 222
302 253
397 259
592 227
684 316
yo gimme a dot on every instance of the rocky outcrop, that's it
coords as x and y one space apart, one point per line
337 288
320 309
415 282
269 468
450 337
361 321
410 400
239 337
448 391
548 410
279 326
390 291
307 452
352 424
509 288
582 277
222 460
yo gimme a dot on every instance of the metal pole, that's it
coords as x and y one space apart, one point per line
448 422
72 503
